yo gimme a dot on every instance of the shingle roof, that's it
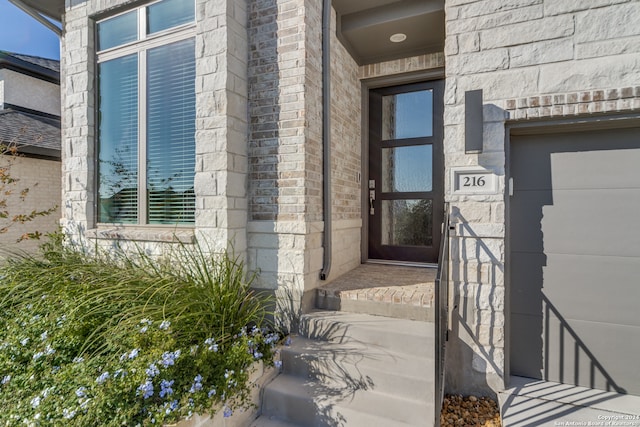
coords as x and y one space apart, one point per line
51 64
49 69
32 133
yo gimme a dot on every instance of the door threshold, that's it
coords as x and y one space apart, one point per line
402 263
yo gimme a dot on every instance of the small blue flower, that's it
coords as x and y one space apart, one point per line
257 355
197 384
44 336
287 342
68 413
152 370
165 388
145 325
24 341
35 402
120 373
227 412
212 392
211 345
146 389
78 359
171 407
133 354
278 364
272 339
103 377
6 379
164 325
169 358
81 392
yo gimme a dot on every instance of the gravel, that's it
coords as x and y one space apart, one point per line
469 411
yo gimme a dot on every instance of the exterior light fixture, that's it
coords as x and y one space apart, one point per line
398 37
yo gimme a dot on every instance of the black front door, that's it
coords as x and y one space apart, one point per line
405 172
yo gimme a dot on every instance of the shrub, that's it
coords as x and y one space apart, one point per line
111 339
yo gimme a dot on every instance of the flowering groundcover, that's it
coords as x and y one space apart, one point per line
95 339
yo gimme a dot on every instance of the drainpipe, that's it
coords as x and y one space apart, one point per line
35 15
326 136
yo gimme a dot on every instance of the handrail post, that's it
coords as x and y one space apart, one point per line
441 316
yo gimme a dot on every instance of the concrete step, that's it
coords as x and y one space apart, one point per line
398 335
309 403
421 309
266 421
361 366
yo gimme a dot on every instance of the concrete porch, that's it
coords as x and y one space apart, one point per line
529 402
398 291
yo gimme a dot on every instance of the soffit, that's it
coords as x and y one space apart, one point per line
50 8
364 28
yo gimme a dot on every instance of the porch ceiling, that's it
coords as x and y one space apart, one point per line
365 26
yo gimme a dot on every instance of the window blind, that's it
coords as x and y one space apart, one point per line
171 133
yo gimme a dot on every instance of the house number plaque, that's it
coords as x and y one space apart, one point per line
473 181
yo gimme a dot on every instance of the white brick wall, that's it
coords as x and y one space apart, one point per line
42 178
531 58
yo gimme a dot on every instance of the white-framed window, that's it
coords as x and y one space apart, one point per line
146 114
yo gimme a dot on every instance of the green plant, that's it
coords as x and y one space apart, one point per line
114 339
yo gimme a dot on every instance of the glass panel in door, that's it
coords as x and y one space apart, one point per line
405 172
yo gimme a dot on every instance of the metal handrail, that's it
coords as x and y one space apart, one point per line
441 298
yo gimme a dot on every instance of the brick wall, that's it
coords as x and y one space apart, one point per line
42 178
285 146
532 58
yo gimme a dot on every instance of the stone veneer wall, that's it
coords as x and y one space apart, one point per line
221 123
532 58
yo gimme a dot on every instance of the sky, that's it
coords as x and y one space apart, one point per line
20 33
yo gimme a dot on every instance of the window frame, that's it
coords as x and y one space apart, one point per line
139 47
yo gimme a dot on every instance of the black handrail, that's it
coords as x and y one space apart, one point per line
441 318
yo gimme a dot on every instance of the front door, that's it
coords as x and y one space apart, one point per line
405 186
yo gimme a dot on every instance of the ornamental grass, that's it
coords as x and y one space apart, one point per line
114 338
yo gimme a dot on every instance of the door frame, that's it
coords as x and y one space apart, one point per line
368 85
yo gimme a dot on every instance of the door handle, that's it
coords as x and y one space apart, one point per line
372 197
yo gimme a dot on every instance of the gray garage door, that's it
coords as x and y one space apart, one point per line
575 258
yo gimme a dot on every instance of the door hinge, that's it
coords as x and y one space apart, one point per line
510 185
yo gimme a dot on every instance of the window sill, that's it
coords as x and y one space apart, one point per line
144 234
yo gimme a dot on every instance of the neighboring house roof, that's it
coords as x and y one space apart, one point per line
34 134
42 68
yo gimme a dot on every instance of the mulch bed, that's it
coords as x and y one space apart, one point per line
469 411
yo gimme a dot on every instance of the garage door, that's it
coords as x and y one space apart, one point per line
575 258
